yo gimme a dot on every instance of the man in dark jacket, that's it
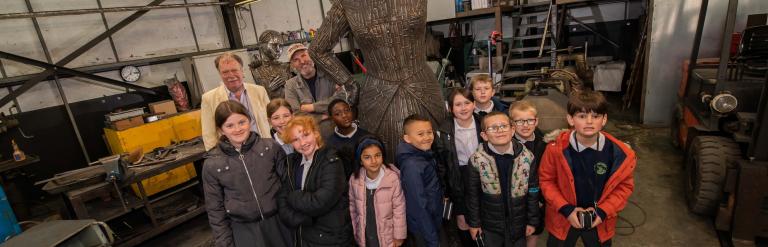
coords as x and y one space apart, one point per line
502 186
319 211
421 184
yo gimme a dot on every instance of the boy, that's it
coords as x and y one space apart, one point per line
585 170
483 91
501 185
346 134
524 117
420 182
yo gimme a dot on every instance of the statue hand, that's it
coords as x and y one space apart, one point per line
352 90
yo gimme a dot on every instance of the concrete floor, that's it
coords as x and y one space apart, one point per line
659 181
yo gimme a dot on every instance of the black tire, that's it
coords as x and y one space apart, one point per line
706 166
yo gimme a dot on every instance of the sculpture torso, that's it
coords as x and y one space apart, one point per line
390 34
399 83
272 76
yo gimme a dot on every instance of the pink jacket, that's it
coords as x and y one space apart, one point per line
389 205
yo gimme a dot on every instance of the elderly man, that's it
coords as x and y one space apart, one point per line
311 90
252 96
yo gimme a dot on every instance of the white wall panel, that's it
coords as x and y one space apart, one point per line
440 9
64 34
278 15
248 33
157 33
42 95
209 27
18 36
311 15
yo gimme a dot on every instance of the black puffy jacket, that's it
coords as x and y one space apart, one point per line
320 212
453 176
241 186
487 210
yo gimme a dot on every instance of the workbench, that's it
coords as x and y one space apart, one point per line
98 201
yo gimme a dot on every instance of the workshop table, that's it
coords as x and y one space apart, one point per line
82 203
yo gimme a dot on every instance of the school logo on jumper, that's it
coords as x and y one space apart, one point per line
601 168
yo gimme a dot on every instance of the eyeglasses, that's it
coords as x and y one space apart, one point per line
522 122
497 128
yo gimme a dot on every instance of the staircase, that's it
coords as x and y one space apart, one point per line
529 23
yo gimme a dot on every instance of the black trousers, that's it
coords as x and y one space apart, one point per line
588 237
498 239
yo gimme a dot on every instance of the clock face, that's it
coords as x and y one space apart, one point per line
130 73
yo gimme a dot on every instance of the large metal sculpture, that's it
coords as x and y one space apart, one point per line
267 71
399 83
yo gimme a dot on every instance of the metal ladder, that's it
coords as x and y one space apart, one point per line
533 28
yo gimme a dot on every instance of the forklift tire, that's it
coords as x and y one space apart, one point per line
706 166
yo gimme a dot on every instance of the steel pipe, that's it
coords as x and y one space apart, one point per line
105 10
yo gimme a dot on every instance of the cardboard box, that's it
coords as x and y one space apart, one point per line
128 123
165 107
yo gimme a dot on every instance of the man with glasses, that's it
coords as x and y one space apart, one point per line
501 185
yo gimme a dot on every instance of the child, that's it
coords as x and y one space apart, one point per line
585 170
502 189
421 185
483 92
376 201
346 133
524 117
457 138
313 198
279 113
240 183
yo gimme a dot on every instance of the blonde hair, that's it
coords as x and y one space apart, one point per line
308 123
479 78
523 105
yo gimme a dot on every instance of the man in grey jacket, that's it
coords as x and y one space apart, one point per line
311 90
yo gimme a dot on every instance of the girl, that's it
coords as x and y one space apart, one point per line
280 113
457 138
240 183
376 201
311 199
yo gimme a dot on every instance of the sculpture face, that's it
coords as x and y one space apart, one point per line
270 45
271 50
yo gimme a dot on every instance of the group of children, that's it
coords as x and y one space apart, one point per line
483 177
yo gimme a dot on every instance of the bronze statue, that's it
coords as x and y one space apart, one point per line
399 83
267 71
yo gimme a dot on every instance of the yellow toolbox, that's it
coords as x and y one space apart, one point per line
157 134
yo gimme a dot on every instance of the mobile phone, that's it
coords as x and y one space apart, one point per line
447 210
586 218
480 241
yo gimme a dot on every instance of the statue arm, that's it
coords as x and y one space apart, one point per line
333 27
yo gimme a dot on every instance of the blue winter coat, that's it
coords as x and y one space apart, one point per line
423 195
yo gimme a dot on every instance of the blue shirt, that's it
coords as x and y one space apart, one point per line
244 100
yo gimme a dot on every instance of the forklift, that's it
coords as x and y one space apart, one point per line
721 122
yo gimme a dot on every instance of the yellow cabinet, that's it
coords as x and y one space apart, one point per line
157 134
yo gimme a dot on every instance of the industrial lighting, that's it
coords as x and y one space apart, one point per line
724 103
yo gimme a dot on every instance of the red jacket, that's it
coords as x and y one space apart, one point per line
556 181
